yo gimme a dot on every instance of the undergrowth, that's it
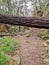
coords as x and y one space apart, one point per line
6 45
43 33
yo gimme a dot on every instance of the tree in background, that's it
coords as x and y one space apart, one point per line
22 7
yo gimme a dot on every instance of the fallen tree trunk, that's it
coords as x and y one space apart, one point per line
36 22
8 35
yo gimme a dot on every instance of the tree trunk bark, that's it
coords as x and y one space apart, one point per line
36 22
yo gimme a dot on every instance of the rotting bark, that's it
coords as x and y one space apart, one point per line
36 22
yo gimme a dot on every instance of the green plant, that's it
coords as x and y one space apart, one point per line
3 59
7 44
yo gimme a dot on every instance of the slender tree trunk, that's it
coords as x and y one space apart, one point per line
40 4
25 14
18 11
35 6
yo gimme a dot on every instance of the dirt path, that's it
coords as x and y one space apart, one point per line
30 49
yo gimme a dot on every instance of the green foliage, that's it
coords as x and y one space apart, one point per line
46 11
3 59
3 11
7 45
43 4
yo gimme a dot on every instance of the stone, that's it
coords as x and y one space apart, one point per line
16 59
42 53
47 41
45 44
46 60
